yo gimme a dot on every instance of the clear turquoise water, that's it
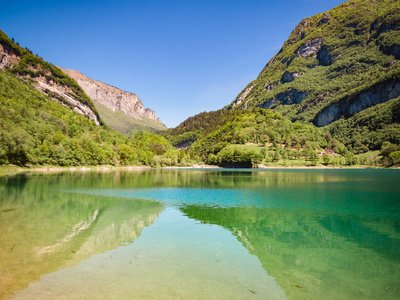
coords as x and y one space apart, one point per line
201 234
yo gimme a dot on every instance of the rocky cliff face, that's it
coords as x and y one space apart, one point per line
56 91
333 65
8 58
346 108
112 97
45 78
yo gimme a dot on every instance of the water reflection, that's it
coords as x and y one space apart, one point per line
299 249
175 258
43 229
332 234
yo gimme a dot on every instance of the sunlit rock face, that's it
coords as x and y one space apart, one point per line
46 87
112 97
7 57
60 93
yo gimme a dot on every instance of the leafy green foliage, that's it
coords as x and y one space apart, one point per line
144 146
370 128
232 157
390 154
197 127
262 127
331 59
36 130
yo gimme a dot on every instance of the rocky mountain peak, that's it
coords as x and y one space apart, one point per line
112 97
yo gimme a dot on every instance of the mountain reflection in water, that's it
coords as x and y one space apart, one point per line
48 230
330 234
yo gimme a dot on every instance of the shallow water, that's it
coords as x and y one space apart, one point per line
201 234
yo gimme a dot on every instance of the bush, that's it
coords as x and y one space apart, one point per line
235 158
326 158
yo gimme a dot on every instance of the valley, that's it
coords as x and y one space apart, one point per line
330 97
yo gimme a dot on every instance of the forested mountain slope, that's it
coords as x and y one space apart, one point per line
36 130
333 66
338 70
268 136
45 78
330 94
100 102
47 119
196 127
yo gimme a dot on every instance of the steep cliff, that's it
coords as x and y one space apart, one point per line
45 77
116 100
333 65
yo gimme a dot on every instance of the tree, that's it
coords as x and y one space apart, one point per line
326 158
16 143
395 157
350 159
264 152
276 156
284 154
73 130
156 161
126 154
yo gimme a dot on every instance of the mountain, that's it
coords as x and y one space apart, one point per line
45 78
333 89
122 111
36 130
333 67
47 119
99 102
329 96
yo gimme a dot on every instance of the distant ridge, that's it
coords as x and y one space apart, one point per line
111 102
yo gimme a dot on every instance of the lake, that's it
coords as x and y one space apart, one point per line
201 234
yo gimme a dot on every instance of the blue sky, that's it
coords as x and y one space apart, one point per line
180 57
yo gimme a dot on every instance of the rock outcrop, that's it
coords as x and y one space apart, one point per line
346 108
43 80
7 57
289 77
310 48
243 95
290 97
112 97
56 91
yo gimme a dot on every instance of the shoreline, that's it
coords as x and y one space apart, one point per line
4 170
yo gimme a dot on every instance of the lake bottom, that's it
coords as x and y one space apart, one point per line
201 234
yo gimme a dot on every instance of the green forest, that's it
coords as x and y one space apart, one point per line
36 131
